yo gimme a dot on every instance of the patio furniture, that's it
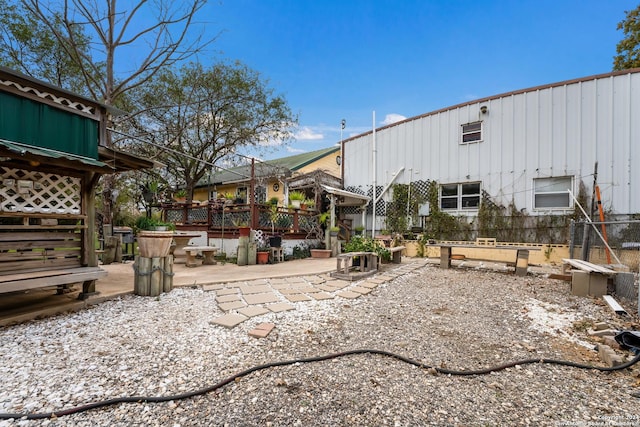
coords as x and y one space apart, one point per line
208 254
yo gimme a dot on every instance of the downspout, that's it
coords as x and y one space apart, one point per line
364 216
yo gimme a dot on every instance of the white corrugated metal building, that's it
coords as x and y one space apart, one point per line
527 147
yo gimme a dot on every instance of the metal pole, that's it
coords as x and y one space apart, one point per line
375 182
589 222
410 219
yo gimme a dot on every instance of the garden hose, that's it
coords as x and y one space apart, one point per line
205 390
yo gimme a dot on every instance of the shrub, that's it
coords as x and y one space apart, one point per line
366 244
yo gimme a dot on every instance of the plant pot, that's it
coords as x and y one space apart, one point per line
295 204
244 231
262 257
154 244
320 253
275 241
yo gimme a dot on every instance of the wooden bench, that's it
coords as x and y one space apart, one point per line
356 265
396 254
587 278
585 266
521 261
208 254
50 277
46 250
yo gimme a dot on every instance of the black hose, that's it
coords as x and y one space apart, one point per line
205 390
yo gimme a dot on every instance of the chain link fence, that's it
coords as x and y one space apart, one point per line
623 238
622 249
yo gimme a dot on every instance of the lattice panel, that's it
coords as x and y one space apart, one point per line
60 100
422 187
31 191
198 214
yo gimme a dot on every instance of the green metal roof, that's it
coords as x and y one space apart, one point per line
301 160
19 150
282 166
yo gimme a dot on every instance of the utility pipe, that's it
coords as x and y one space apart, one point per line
594 227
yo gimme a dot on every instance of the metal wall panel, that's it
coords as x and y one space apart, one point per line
557 130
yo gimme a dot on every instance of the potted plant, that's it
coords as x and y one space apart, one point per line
243 227
366 244
153 243
320 252
359 230
228 198
262 256
310 203
275 240
180 196
296 198
323 219
334 230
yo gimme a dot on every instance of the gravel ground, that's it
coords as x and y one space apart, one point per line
459 319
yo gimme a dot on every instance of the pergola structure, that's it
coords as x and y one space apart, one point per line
52 153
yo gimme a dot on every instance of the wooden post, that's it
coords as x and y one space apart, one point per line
136 276
118 250
168 274
110 246
155 284
142 276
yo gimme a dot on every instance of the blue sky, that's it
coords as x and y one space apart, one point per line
335 60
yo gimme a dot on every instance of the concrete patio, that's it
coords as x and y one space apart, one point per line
23 306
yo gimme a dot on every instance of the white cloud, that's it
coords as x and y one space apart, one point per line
307 134
392 118
295 150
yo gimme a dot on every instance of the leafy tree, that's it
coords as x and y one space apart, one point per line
28 46
628 48
203 115
128 46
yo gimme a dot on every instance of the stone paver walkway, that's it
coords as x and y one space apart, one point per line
242 301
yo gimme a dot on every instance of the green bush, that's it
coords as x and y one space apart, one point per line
366 244
146 223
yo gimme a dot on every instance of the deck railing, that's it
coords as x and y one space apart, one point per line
220 217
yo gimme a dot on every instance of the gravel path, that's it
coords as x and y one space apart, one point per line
459 319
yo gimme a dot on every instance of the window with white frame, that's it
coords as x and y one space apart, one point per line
460 196
552 193
471 132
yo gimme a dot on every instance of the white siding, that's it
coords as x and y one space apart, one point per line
556 130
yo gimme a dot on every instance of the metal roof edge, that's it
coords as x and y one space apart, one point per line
498 96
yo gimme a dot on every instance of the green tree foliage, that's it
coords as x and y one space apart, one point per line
129 43
209 114
27 45
628 48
